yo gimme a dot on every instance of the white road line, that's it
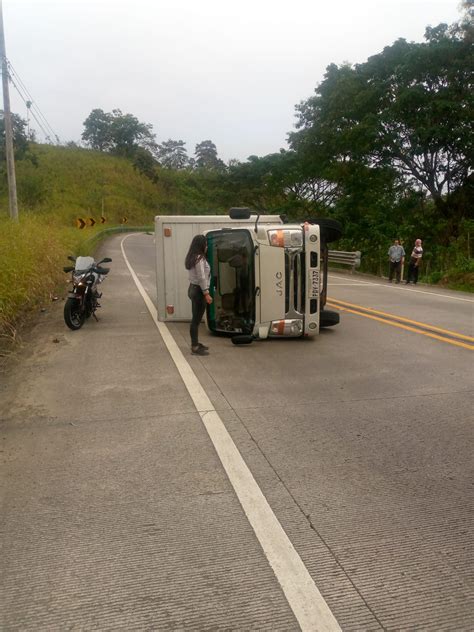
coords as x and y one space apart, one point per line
406 289
305 600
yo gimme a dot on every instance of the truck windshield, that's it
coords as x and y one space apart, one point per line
231 257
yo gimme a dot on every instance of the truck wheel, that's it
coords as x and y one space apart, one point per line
328 318
331 229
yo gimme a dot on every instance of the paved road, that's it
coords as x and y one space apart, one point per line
117 511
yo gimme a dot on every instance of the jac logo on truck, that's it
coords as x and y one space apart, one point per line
279 283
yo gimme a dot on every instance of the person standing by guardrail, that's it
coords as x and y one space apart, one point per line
396 257
415 261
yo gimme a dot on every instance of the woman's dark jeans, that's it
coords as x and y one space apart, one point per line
412 272
198 303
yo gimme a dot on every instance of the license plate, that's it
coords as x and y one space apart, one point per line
314 283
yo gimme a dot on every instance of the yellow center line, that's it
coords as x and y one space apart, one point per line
405 320
401 326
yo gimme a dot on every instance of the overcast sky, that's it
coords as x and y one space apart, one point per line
227 71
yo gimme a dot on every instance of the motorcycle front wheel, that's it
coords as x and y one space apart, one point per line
74 316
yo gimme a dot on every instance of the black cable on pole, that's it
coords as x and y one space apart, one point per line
32 107
30 98
46 134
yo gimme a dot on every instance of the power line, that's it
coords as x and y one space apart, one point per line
35 111
31 105
31 100
46 134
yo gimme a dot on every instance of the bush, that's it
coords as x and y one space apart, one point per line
32 253
434 277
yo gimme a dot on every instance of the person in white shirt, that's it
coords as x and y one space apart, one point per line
396 257
415 263
199 280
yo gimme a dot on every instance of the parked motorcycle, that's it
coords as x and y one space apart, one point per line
83 298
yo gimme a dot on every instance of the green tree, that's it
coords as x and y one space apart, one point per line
20 139
206 156
172 154
145 163
467 20
119 133
98 130
279 182
407 110
128 133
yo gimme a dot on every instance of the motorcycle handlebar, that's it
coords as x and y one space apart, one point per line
96 268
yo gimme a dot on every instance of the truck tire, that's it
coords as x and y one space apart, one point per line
328 318
331 229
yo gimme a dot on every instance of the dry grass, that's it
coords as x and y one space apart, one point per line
32 253
61 186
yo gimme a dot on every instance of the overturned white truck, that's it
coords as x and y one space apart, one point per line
268 277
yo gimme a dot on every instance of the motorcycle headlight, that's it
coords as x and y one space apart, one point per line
78 276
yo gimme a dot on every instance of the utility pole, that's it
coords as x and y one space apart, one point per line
7 117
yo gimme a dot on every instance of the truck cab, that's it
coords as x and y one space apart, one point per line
268 277
265 281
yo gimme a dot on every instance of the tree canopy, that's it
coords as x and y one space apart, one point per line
206 156
406 111
118 133
20 139
172 154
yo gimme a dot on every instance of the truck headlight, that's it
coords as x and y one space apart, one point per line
290 328
296 327
288 238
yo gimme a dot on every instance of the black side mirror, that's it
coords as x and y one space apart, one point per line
68 268
239 212
105 260
242 339
71 258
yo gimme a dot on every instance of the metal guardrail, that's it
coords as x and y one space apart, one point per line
351 259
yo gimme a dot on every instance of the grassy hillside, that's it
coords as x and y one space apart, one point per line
69 183
57 187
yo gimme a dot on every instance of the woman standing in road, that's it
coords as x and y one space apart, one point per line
199 279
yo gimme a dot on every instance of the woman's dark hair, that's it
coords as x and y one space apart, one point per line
197 249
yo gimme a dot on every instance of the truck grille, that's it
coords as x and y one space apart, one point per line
294 283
